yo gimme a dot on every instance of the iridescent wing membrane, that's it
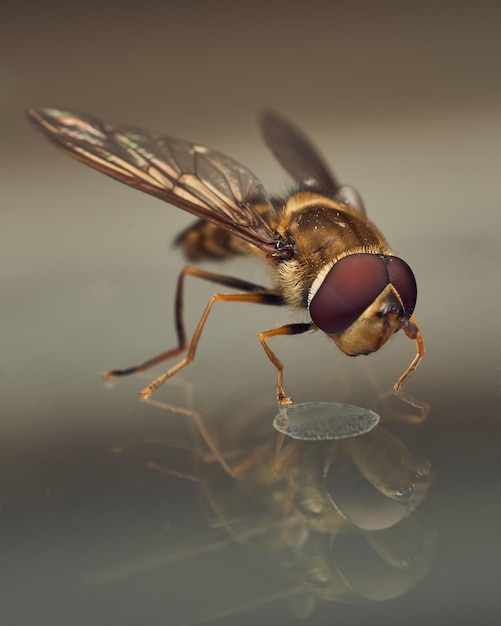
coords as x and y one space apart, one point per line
192 177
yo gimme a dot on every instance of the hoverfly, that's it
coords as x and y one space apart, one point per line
323 253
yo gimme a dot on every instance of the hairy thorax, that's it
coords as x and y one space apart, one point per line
324 232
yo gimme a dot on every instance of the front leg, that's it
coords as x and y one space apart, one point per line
411 329
287 329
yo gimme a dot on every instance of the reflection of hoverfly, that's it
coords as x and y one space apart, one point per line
323 252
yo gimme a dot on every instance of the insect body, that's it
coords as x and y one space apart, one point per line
323 253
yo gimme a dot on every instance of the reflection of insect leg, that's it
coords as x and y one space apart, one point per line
258 294
287 329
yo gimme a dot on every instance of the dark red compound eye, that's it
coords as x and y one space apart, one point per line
353 283
402 278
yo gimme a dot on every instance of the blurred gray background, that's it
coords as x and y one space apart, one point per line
403 98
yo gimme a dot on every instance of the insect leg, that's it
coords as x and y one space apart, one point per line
411 329
287 329
220 279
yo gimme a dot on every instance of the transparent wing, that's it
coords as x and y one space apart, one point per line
301 160
349 196
192 177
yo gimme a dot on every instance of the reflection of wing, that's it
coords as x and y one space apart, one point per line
301 160
192 177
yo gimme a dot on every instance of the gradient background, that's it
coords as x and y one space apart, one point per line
404 99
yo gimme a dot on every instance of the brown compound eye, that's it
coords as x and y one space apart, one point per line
353 283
